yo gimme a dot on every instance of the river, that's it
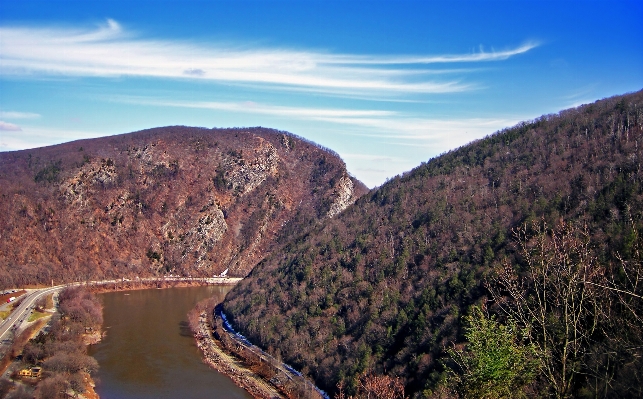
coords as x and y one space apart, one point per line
148 351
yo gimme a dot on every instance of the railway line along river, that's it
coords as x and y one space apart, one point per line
149 352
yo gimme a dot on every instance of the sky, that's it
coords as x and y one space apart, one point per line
385 84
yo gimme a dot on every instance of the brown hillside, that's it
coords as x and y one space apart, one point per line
172 200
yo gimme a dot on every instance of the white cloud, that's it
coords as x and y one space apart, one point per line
35 136
371 157
579 97
380 123
18 115
481 56
15 144
112 51
9 127
251 107
388 127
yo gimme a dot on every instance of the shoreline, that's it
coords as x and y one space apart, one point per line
145 284
228 365
248 366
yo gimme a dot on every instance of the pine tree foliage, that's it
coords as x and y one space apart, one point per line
495 363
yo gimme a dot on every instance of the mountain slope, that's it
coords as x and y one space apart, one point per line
178 200
384 286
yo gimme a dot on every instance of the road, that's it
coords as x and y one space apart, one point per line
21 313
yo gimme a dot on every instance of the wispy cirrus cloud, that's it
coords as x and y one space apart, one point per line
38 136
9 127
481 56
251 107
111 50
394 127
18 115
12 127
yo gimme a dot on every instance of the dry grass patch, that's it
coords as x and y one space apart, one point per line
35 315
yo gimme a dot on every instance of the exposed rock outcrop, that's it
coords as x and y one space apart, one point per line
343 196
174 200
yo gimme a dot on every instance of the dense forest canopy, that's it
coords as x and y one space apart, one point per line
386 285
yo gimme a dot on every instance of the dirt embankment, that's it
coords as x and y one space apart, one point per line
229 365
259 373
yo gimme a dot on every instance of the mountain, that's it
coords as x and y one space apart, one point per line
172 200
385 285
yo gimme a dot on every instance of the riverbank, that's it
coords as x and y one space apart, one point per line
146 284
217 358
247 365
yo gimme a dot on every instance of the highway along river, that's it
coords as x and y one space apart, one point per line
149 352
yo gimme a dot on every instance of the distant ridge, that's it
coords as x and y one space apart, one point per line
172 200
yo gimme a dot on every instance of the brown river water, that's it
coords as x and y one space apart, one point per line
148 351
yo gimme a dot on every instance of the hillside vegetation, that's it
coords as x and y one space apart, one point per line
385 287
172 200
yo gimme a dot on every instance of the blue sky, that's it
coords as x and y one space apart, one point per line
386 84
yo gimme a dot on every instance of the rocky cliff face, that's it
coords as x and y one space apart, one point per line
343 196
172 200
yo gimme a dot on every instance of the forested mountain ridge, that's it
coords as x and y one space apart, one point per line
384 286
172 200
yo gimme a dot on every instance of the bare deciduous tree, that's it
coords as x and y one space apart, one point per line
373 386
555 298
54 387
